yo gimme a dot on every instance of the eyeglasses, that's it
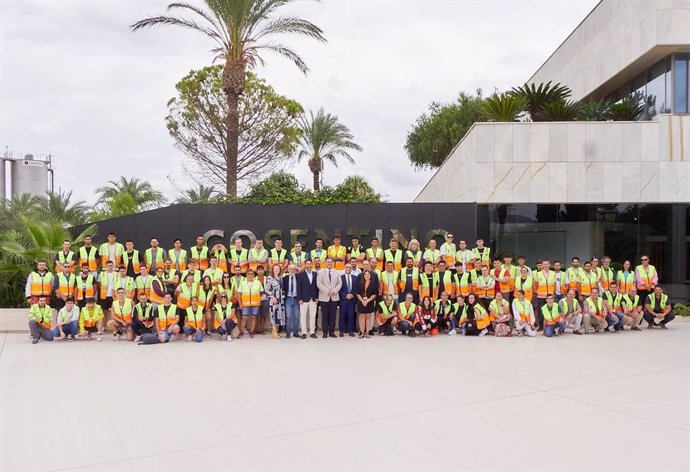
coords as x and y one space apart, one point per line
644 260
226 276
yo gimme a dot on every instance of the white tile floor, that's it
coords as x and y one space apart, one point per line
600 402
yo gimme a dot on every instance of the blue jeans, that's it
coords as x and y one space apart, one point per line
549 330
197 333
226 328
346 324
292 316
250 311
615 320
70 329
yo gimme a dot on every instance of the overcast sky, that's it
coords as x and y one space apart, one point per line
76 82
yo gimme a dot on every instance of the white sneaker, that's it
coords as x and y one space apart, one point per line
519 333
116 337
98 338
224 337
229 337
138 338
452 332
189 338
483 332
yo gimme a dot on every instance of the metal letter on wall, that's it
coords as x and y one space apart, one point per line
246 233
212 233
294 237
268 237
402 241
357 233
322 234
432 234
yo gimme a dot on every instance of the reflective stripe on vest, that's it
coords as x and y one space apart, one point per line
185 295
85 288
179 261
527 286
123 310
136 261
251 294
625 281
662 304
200 257
546 283
587 282
166 316
67 285
41 284
89 257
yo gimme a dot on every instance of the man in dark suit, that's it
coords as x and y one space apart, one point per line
308 297
347 301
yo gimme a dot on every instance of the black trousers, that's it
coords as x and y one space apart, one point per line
650 319
328 314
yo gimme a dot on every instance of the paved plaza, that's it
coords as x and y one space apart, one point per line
600 402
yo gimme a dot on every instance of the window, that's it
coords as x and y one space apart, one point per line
680 82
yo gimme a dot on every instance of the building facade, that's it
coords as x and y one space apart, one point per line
557 189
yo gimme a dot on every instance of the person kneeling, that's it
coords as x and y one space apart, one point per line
40 318
657 311
91 319
67 321
121 322
224 320
142 319
194 323
524 315
553 324
168 319
408 322
387 316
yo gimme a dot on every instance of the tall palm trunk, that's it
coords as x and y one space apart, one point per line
233 86
315 168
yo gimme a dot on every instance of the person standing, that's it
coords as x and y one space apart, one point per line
39 283
486 286
347 301
89 255
646 278
40 320
66 285
375 252
394 255
409 281
298 257
428 281
445 281
65 256
414 252
626 278
275 291
154 256
338 253
432 255
131 259
657 310
220 252
126 282
308 297
356 253
328 281
389 281
448 250
573 275
291 302
199 254
238 257
257 256
178 256
482 253
588 281
367 291
464 256
250 302
86 286
544 284
111 251
106 282
278 255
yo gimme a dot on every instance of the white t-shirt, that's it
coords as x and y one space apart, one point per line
69 316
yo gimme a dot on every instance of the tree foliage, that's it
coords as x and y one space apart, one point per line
197 122
142 192
538 95
200 194
504 107
437 132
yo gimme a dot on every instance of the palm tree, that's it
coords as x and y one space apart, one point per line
324 138
559 110
201 194
505 107
359 188
142 192
537 96
59 207
242 30
13 209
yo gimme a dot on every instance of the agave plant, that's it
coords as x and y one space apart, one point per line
594 109
537 96
505 107
628 109
559 110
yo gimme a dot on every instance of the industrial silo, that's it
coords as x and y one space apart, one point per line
29 176
2 178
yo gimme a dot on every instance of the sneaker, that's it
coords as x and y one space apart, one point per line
452 332
304 336
189 337
287 336
352 334
240 336
138 339
207 335
313 336
413 334
251 334
483 332
635 328
70 339
99 338
34 340
650 325
519 333
577 331
663 326
224 337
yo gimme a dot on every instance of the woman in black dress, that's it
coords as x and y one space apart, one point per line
366 302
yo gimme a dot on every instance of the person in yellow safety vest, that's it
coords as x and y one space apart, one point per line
409 281
657 311
462 281
185 291
414 252
625 278
554 324
40 319
221 254
88 254
65 256
375 252
544 283
445 281
39 283
596 269
199 254
111 251
86 286
224 320
258 255
445 313
499 310
66 286
523 312
144 281
432 254
595 312
168 320
235 282
124 281
131 259
171 276
606 275
502 277
106 284
143 315
154 256
512 270
91 319
478 319
482 253
486 287
278 255
571 311
525 283
214 272
632 309
573 275
195 321
192 270
646 278
428 281
394 255
588 281
238 257
207 297
298 257
318 252
408 322
121 321
355 253
249 295
460 309
337 252
560 289
178 256
614 307
389 281
158 288
387 315
464 256
448 250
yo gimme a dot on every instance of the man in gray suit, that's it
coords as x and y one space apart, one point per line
328 281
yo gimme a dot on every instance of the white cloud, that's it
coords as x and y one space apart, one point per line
78 83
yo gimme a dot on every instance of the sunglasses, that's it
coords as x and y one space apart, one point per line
645 259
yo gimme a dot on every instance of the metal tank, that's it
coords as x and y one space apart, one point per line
29 176
2 178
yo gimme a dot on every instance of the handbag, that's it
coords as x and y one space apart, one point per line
503 330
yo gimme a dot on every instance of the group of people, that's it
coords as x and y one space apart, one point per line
159 295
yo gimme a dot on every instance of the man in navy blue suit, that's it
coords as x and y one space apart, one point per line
347 302
308 298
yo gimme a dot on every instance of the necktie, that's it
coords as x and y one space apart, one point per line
292 286
329 275
349 284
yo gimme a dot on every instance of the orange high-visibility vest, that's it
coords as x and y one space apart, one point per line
166 316
41 285
124 310
587 282
185 294
499 274
337 251
545 283
89 256
251 294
